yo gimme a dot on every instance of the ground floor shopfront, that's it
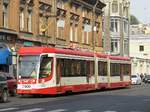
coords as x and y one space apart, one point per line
13 41
140 66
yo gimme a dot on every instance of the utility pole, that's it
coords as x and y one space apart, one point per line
93 40
121 30
54 19
128 6
107 39
93 24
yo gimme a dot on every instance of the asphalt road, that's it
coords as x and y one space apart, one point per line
136 99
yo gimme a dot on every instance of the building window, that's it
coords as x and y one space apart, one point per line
114 25
87 28
21 20
115 6
125 26
114 45
125 11
5 15
74 19
85 37
71 33
60 28
76 33
29 21
141 48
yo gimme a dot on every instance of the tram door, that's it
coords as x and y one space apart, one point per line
121 74
90 72
103 67
59 72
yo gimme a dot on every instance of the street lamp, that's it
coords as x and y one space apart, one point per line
93 23
107 39
124 4
93 39
128 7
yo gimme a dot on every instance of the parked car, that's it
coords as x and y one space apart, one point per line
12 84
147 79
3 88
136 79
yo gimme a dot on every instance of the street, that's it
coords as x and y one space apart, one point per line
136 99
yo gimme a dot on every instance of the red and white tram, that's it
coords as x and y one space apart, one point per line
43 70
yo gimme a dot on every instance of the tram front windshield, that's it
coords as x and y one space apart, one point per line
28 66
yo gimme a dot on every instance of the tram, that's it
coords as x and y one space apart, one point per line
47 71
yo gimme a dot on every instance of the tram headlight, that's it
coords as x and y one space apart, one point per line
33 81
43 81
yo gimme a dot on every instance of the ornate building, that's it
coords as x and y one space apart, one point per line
140 53
59 23
116 27
73 24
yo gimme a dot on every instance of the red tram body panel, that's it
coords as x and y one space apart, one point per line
43 70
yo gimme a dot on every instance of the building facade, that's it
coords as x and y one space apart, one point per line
72 24
60 23
140 29
140 54
116 27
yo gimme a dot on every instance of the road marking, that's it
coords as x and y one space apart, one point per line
7 109
84 111
110 111
135 111
58 110
31 110
147 100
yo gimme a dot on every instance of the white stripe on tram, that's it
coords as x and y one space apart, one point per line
58 110
7 109
84 111
31 110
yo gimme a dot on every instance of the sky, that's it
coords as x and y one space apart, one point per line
141 9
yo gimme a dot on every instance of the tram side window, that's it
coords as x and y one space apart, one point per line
77 68
45 67
102 68
83 68
115 69
71 68
59 69
126 69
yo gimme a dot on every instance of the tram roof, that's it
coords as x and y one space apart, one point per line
112 57
119 58
40 50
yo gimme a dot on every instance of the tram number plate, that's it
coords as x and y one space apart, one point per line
26 86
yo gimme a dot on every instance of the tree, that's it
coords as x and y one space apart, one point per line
134 20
